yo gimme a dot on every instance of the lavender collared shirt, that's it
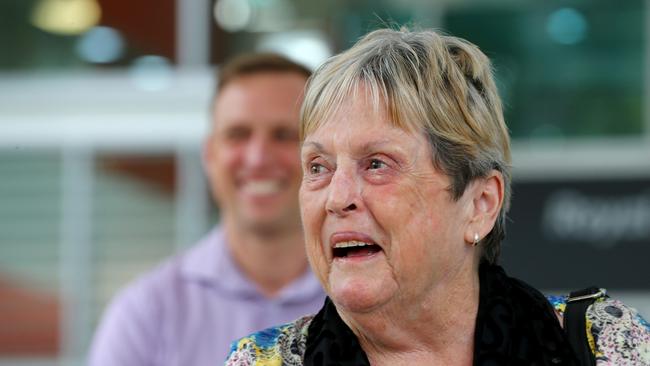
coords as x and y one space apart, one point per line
189 309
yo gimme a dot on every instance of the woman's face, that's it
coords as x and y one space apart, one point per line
380 223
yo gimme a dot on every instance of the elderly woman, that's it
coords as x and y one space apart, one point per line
406 163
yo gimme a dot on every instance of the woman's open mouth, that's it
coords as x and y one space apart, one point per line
354 248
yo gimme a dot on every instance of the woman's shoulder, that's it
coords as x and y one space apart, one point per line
617 333
281 345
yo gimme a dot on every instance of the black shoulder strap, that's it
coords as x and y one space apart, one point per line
574 322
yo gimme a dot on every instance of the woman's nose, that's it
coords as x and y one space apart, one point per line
343 197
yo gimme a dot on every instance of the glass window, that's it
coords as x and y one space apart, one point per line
565 69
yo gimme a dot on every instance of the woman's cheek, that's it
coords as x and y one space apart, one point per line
313 183
384 176
312 209
317 261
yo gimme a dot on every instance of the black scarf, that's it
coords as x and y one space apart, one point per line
515 325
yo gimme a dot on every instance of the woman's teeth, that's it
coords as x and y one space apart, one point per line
351 243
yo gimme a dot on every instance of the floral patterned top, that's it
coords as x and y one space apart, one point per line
617 335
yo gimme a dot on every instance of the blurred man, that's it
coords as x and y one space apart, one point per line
250 271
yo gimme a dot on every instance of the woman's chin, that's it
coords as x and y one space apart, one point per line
360 296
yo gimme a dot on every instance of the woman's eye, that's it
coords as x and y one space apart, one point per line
316 169
376 164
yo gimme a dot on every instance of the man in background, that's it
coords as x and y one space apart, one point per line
250 271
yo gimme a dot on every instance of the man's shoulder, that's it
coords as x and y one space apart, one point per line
145 291
145 319
617 333
167 278
281 345
146 285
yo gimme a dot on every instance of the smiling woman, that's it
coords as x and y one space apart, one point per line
406 183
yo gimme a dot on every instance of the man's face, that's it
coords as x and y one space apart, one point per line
252 155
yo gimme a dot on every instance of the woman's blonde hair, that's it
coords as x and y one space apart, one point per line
430 83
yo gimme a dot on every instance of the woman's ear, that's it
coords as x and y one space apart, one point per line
487 200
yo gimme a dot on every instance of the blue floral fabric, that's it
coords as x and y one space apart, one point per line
617 335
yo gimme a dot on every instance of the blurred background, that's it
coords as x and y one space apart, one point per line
104 104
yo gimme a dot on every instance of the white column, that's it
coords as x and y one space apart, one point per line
76 253
192 199
193 32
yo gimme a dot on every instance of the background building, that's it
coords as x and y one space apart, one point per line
103 106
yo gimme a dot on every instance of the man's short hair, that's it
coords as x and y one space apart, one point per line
249 64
